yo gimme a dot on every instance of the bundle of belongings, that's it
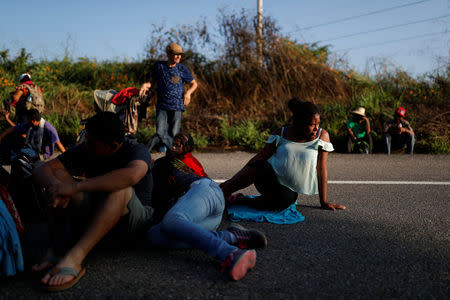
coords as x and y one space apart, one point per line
126 103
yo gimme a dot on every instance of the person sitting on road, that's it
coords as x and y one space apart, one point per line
189 206
397 132
294 160
114 196
40 135
359 139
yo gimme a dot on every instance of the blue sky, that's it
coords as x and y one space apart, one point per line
118 30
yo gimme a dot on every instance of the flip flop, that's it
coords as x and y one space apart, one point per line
67 285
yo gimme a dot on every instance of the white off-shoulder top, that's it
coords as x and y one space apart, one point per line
295 163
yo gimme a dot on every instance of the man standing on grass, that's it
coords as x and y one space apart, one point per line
170 77
112 199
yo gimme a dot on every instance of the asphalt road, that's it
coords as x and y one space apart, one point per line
393 241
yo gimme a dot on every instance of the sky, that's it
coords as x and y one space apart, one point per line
411 34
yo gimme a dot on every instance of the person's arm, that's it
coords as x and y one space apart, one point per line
322 175
349 129
350 132
51 174
6 132
367 125
60 147
17 95
188 93
10 122
407 129
109 182
144 88
387 126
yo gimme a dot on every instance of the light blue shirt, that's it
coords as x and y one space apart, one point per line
295 163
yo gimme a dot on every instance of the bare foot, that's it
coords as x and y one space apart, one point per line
60 279
48 262
42 266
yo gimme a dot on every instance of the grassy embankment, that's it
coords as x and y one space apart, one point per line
239 101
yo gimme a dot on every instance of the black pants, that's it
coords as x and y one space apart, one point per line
274 196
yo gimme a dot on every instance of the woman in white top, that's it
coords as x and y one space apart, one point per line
294 160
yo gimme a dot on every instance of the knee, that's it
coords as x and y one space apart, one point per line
172 221
121 197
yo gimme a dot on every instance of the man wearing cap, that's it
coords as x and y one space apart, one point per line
358 129
170 77
397 132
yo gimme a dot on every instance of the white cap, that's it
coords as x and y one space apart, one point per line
23 75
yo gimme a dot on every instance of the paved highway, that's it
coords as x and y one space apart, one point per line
393 241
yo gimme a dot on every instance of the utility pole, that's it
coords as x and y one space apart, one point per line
259 29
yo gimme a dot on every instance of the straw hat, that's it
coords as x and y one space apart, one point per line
174 49
360 111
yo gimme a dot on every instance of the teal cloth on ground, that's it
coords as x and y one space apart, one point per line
244 213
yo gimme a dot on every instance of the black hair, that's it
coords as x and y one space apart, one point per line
25 78
303 111
33 115
106 127
186 140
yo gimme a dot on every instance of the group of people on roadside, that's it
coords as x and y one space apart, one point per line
397 133
109 188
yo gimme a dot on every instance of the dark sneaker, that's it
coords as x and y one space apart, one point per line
238 263
247 238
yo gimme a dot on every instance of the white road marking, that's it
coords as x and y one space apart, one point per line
375 182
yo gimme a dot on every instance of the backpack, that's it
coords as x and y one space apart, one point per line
35 99
27 195
361 146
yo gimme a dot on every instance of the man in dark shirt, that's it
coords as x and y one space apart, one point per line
117 187
170 77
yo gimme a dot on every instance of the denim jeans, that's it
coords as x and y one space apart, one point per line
398 140
167 126
192 221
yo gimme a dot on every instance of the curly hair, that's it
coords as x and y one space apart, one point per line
302 111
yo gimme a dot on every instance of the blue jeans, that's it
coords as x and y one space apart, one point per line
167 126
398 140
192 221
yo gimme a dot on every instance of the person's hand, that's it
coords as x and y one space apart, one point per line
332 206
60 202
353 137
144 88
61 193
187 99
401 129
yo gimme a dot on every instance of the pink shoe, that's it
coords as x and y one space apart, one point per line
238 263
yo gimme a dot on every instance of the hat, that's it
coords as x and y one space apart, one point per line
174 49
360 111
22 76
400 111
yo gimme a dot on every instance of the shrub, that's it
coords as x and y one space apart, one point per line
246 133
